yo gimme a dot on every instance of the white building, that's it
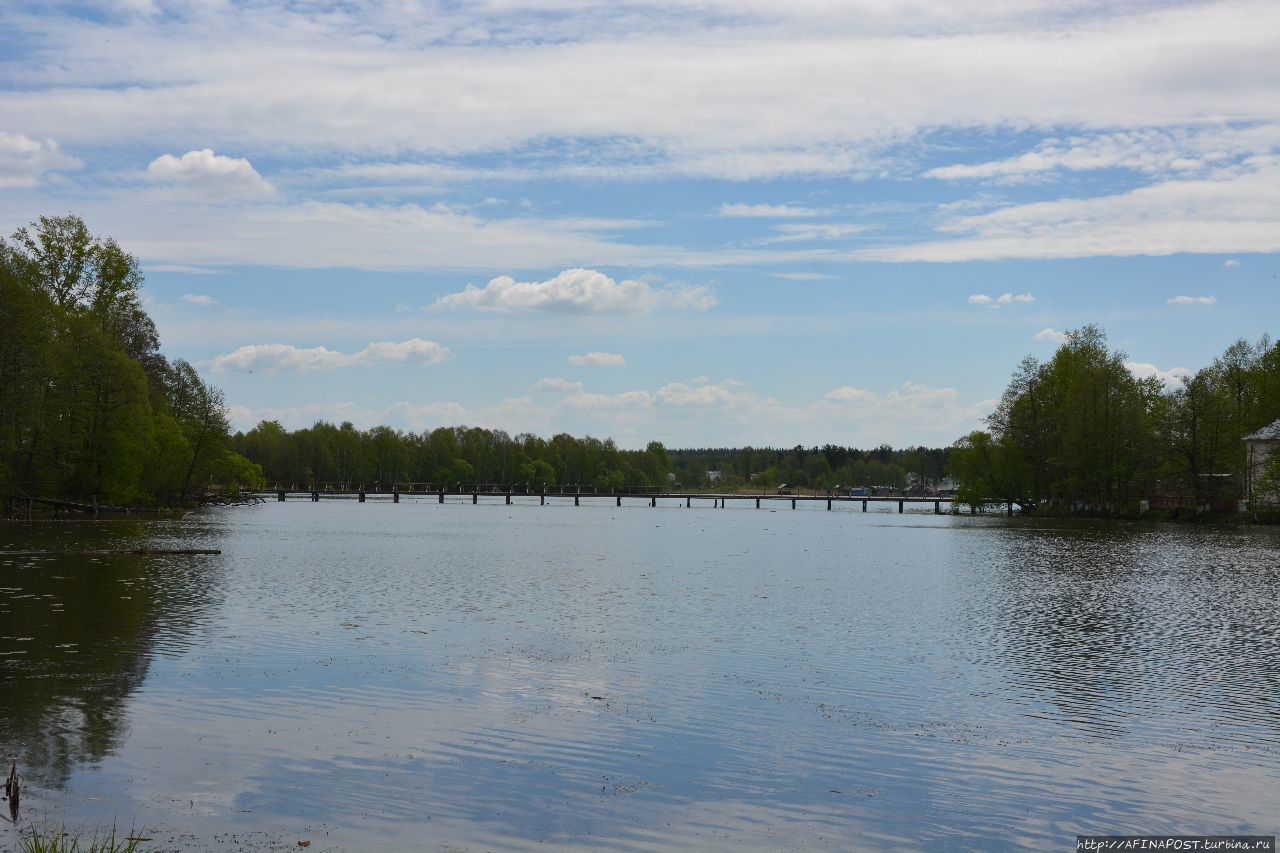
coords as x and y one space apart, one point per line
1261 447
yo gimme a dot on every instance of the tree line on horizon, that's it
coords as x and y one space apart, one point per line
461 456
1082 432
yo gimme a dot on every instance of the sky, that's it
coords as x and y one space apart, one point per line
703 223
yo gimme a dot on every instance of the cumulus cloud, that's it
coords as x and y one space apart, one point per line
199 299
1172 378
577 291
849 394
624 400
286 358
214 174
1193 300
683 394
598 359
1052 335
1231 263
1002 299
768 211
556 383
24 161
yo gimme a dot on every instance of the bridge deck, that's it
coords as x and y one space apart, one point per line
717 499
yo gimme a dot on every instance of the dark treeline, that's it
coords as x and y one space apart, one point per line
815 467
328 453
1081 432
89 407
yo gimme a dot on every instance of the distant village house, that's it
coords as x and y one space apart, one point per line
1262 447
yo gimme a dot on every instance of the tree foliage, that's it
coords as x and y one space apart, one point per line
89 407
1082 432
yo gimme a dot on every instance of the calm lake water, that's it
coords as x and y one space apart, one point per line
416 676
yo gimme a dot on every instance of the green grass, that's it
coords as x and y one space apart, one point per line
59 841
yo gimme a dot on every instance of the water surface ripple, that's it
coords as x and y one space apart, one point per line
378 676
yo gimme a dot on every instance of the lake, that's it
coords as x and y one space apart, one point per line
387 677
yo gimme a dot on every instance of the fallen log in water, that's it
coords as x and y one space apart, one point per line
133 552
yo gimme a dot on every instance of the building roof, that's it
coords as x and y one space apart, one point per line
1267 433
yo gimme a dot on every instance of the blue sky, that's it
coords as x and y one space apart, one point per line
704 223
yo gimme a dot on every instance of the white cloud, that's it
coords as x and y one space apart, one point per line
514 414
1051 335
286 358
805 276
1231 263
1002 299
1234 209
1193 300
24 161
557 384
1155 151
624 400
387 77
199 299
577 291
1172 378
849 394
768 211
683 394
214 174
813 231
598 359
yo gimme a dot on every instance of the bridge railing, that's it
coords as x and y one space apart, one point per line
452 488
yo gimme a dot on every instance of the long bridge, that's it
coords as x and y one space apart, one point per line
526 493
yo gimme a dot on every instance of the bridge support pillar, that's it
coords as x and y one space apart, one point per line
828 504
619 500
653 501
575 500
361 493
757 503
937 507
793 503
900 504
1011 509
542 499
280 495
864 506
508 500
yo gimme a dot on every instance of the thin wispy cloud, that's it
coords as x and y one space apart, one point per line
198 299
1193 300
768 211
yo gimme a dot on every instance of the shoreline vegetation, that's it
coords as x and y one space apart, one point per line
94 418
